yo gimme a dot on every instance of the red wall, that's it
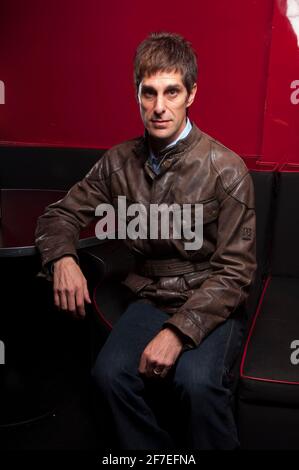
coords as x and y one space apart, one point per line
67 70
281 123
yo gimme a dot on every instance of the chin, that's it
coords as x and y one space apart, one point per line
160 134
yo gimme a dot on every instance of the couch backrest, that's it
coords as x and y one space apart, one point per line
285 249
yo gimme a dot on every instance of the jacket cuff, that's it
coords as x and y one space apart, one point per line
47 270
48 264
188 343
187 327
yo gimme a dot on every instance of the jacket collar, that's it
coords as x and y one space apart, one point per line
168 156
193 136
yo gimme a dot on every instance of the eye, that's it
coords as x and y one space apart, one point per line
148 94
172 92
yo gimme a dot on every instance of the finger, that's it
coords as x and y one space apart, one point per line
71 302
62 301
142 365
156 372
148 366
152 369
86 294
80 303
141 368
56 293
56 299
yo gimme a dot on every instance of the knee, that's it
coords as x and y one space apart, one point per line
105 375
113 378
196 388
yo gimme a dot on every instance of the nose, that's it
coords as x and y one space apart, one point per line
159 105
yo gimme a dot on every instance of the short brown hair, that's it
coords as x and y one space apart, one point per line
165 52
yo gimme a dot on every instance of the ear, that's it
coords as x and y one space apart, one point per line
138 93
191 96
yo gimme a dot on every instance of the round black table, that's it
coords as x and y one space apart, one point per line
19 210
46 351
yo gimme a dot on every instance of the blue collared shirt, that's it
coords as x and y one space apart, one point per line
155 161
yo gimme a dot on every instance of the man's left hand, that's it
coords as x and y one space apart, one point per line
160 354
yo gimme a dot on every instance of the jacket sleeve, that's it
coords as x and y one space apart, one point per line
58 229
233 266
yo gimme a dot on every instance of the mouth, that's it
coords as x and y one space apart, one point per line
159 123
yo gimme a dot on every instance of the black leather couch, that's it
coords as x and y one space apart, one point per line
266 395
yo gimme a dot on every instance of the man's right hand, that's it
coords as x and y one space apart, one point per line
70 287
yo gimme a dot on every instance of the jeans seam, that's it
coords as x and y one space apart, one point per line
227 369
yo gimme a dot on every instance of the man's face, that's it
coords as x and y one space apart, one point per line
163 100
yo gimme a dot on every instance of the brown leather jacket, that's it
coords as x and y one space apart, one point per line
199 288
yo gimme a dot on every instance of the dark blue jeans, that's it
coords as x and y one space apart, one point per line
191 408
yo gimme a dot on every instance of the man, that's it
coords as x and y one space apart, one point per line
184 331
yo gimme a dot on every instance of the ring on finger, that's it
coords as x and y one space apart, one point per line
157 370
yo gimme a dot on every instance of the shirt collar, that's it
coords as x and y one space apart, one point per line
183 134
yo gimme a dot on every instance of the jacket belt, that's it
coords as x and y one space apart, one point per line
169 267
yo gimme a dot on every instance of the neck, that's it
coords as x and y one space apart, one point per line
159 144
